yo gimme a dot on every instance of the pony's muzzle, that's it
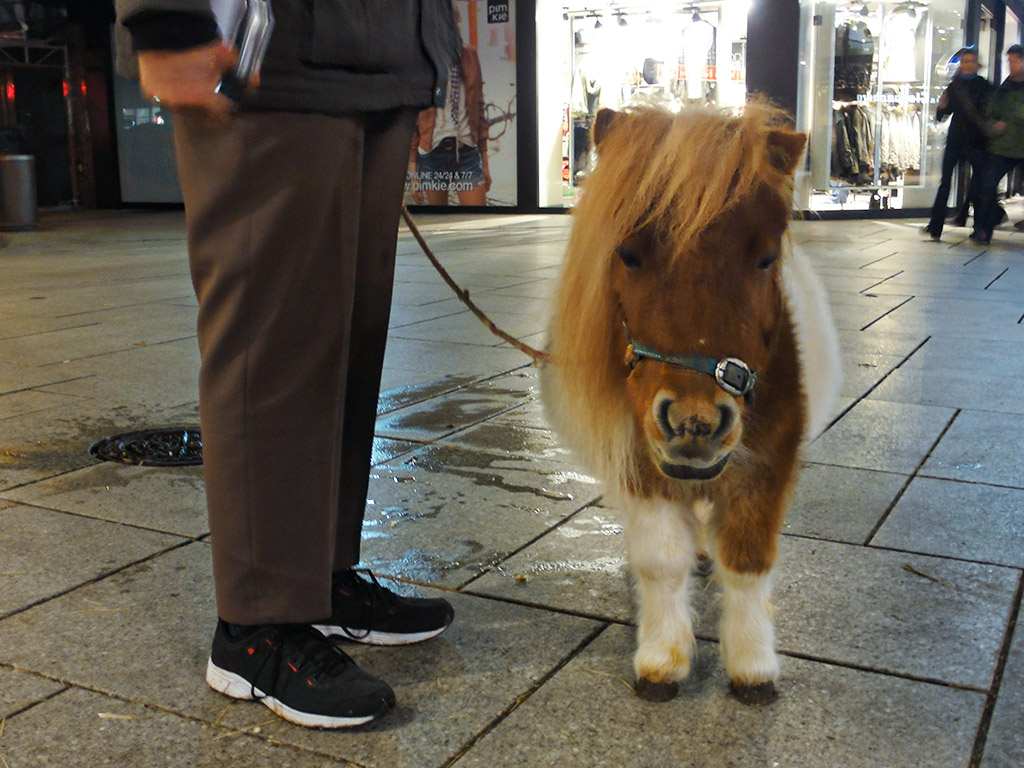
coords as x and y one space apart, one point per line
692 433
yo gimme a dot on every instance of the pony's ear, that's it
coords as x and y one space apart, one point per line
785 148
602 123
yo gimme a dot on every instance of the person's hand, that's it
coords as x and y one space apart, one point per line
487 174
944 100
188 79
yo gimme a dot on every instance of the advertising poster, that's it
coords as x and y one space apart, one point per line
465 153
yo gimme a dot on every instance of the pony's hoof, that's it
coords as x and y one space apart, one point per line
651 691
762 693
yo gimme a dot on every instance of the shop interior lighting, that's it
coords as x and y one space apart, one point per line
597 22
864 10
622 19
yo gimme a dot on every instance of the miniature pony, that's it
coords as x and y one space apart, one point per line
693 354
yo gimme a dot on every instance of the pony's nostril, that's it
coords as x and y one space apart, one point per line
728 418
663 418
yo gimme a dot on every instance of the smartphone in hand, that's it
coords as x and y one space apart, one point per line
251 35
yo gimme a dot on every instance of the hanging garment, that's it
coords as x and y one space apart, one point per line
698 50
899 48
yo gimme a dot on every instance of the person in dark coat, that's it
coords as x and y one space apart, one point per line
1006 115
965 98
292 202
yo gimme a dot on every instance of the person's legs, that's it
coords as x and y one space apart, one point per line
273 212
985 216
382 183
950 158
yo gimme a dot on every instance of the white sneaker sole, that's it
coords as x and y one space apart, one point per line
237 687
377 638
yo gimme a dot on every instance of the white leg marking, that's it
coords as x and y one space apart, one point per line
661 553
747 632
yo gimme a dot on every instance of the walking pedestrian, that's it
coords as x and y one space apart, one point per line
965 99
1006 113
292 204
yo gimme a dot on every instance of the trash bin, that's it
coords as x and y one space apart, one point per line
18 207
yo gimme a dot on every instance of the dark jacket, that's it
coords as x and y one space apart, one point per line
1007 105
968 100
326 56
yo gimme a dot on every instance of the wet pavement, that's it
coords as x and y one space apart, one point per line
898 587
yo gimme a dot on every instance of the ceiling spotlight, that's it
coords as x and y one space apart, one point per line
864 10
597 22
696 15
622 19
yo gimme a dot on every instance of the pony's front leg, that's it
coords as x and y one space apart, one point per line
746 553
661 554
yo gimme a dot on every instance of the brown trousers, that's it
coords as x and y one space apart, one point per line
292 226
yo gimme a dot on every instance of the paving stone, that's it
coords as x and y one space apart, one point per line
825 717
170 499
151 375
580 567
955 519
385 449
466 328
451 359
448 689
445 515
980 448
951 388
889 437
31 401
983 356
840 503
834 602
81 728
143 634
39 445
19 690
44 553
1004 746
854 344
894 612
859 376
464 407
508 434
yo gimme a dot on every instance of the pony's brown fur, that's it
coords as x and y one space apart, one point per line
678 244
706 162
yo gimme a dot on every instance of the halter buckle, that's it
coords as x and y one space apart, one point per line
734 376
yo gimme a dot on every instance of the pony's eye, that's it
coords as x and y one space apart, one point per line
630 258
766 262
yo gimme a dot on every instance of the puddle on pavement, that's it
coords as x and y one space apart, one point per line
400 397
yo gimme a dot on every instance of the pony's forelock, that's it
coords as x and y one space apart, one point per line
680 170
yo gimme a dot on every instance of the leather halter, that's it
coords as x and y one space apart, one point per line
730 373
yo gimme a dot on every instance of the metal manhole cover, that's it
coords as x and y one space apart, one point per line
170 447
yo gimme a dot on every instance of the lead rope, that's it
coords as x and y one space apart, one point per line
536 354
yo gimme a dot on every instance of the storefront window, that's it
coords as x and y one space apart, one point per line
871 74
672 54
1011 30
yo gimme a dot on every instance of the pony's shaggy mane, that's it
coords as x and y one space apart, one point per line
682 171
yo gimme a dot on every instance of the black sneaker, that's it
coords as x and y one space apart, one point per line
300 674
367 612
